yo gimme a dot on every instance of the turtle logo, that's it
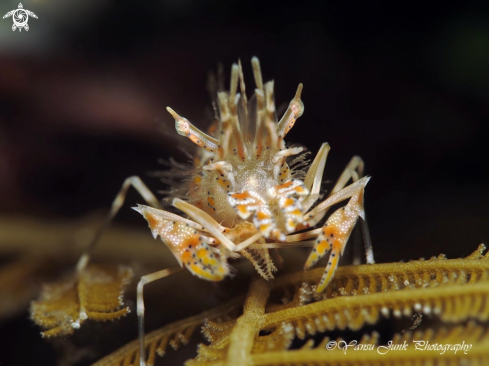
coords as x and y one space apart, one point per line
20 17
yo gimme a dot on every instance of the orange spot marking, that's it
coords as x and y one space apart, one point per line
202 253
243 209
285 185
241 196
213 128
260 147
196 140
224 184
331 230
186 256
289 202
296 212
323 246
291 225
152 221
329 273
200 272
260 215
264 227
241 153
191 242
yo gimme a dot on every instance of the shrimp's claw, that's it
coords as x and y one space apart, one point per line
330 269
321 247
187 244
201 260
334 235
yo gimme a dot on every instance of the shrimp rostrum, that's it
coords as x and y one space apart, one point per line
248 190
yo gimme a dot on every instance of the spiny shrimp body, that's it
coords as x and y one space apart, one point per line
244 192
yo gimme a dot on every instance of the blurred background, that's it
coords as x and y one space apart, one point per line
404 85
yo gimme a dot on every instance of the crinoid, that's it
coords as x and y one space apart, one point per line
285 322
96 294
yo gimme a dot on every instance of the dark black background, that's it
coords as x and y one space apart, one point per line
405 85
